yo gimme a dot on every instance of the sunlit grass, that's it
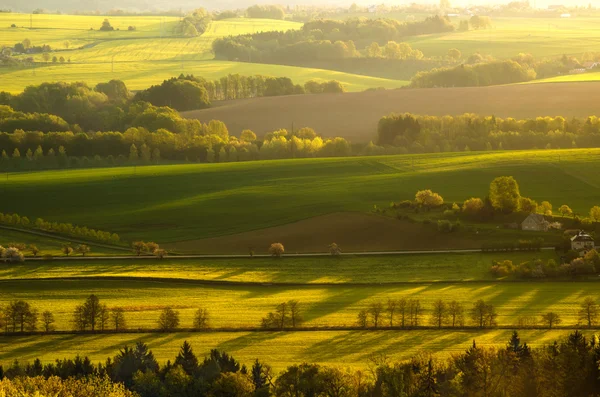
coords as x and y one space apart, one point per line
322 306
340 348
187 202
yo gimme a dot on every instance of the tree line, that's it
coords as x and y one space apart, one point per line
188 92
480 71
566 367
573 265
137 146
61 228
92 315
326 39
419 134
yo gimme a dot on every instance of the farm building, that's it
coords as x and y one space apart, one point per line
535 222
582 243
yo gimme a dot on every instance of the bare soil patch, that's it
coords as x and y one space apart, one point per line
355 116
353 232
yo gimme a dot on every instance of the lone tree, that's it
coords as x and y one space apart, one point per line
34 250
504 194
456 313
363 318
565 210
83 249
595 213
201 319
483 314
588 311
439 314
376 310
118 318
334 249
139 247
88 314
106 26
551 319
48 321
276 250
67 249
428 199
168 319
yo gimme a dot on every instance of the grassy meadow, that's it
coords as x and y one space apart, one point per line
541 37
340 270
188 201
148 55
242 306
279 349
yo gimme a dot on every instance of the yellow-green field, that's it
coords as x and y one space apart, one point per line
148 55
199 201
541 37
308 270
241 306
279 349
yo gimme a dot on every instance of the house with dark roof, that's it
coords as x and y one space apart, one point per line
535 222
582 242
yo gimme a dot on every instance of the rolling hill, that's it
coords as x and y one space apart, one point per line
354 116
182 203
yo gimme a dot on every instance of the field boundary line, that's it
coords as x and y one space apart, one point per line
289 330
62 238
228 283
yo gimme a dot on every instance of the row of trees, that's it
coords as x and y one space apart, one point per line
188 92
409 313
326 39
482 74
62 228
175 148
91 315
576 266
567 367
473 132
110 106
286 315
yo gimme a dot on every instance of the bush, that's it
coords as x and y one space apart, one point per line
444 226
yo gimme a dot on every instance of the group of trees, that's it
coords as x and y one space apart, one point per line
481 74
151 248
92 315
573 266
420 134
326 39
286 315
61 228
190 92
265 11
567 367
138 146
194 23
409 313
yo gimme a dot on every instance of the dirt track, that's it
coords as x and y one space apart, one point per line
355 115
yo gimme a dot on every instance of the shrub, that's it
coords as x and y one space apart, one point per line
276 250
444 226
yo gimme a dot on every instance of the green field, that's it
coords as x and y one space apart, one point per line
188 201
148 55
322 306
541 37
375 269
48 245
278 349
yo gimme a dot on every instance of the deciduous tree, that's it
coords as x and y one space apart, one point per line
504 194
